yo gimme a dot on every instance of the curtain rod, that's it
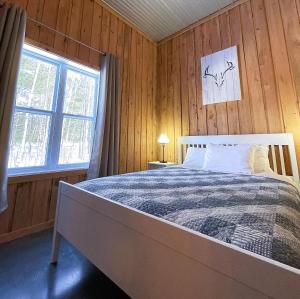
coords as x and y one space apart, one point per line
65 36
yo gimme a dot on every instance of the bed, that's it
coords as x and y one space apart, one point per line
150 233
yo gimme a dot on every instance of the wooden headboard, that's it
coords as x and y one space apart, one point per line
282 149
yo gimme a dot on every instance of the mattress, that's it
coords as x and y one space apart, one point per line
257 213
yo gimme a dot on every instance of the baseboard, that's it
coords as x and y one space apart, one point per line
25 231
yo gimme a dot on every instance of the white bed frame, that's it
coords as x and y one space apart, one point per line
149 257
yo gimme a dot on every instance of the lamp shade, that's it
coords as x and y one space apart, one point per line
163 139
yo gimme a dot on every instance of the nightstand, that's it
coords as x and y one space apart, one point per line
157 165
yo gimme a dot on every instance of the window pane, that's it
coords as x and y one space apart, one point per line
29 140
36 83
79 94
75 141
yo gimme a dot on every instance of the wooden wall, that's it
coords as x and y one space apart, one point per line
32 202
32 199
267 34
165 81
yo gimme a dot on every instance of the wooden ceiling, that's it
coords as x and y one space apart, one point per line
161 18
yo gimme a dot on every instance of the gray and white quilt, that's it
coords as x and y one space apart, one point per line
259 214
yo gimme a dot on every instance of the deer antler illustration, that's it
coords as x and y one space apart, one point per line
206 74
219 80
230 67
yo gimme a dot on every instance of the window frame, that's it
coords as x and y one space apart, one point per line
56 113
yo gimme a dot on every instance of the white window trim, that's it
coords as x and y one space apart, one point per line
56 114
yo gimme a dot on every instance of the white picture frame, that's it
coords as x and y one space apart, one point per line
220 77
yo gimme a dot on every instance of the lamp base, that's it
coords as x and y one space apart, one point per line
163 161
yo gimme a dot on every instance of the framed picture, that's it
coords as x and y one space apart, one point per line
220 77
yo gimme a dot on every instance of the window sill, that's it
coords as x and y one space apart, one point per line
45 174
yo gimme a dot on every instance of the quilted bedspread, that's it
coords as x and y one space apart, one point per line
259 214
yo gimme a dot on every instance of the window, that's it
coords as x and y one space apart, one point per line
54 113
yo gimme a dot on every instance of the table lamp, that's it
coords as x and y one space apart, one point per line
163 140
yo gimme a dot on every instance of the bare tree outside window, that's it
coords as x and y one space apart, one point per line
29 140
76 131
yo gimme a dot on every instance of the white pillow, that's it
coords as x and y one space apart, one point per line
261 161
194 158
235 159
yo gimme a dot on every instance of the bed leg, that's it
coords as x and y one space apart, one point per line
55 246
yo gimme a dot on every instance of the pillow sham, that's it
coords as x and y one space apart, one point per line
194 158
236 159
260 158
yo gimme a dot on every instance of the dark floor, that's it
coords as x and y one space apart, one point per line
25 272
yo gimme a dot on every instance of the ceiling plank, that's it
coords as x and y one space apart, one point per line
161 18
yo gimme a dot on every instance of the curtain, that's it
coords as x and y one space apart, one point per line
12 31
105 150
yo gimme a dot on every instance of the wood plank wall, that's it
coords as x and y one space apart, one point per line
167 80
267 33
32 200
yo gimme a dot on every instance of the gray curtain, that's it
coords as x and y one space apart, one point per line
105 151
12 31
